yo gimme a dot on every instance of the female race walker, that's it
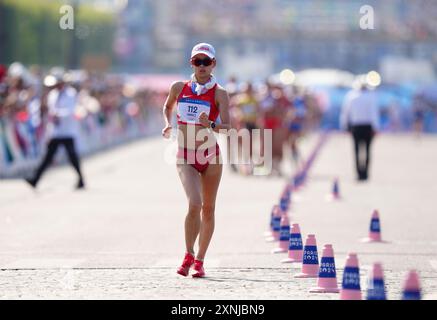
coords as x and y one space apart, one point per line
199 103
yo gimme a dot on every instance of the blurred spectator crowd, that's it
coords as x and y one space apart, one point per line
110 110
116 108
288 111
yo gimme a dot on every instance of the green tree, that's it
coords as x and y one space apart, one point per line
30 33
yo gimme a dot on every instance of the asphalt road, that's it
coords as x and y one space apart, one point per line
122 238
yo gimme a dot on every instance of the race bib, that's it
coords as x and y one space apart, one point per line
190 109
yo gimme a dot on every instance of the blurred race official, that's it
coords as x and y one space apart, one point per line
360 116
62 128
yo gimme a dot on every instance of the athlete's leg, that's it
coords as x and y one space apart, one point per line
281 140
275 150
250 145
190 179
210 183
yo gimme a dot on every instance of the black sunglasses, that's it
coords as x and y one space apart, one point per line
205 62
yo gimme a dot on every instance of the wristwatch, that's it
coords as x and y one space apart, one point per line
212 124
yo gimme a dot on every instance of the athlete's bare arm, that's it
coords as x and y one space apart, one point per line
222 99
169 104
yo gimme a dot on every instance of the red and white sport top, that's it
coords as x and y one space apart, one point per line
190 105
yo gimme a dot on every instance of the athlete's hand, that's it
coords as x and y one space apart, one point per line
203 119
166 132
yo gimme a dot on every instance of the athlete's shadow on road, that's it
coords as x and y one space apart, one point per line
226 279
222 277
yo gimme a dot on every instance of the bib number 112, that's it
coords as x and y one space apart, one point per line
192 109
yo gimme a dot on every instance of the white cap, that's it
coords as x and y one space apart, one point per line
204 48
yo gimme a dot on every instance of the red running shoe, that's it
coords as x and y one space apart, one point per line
198 266
186 264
